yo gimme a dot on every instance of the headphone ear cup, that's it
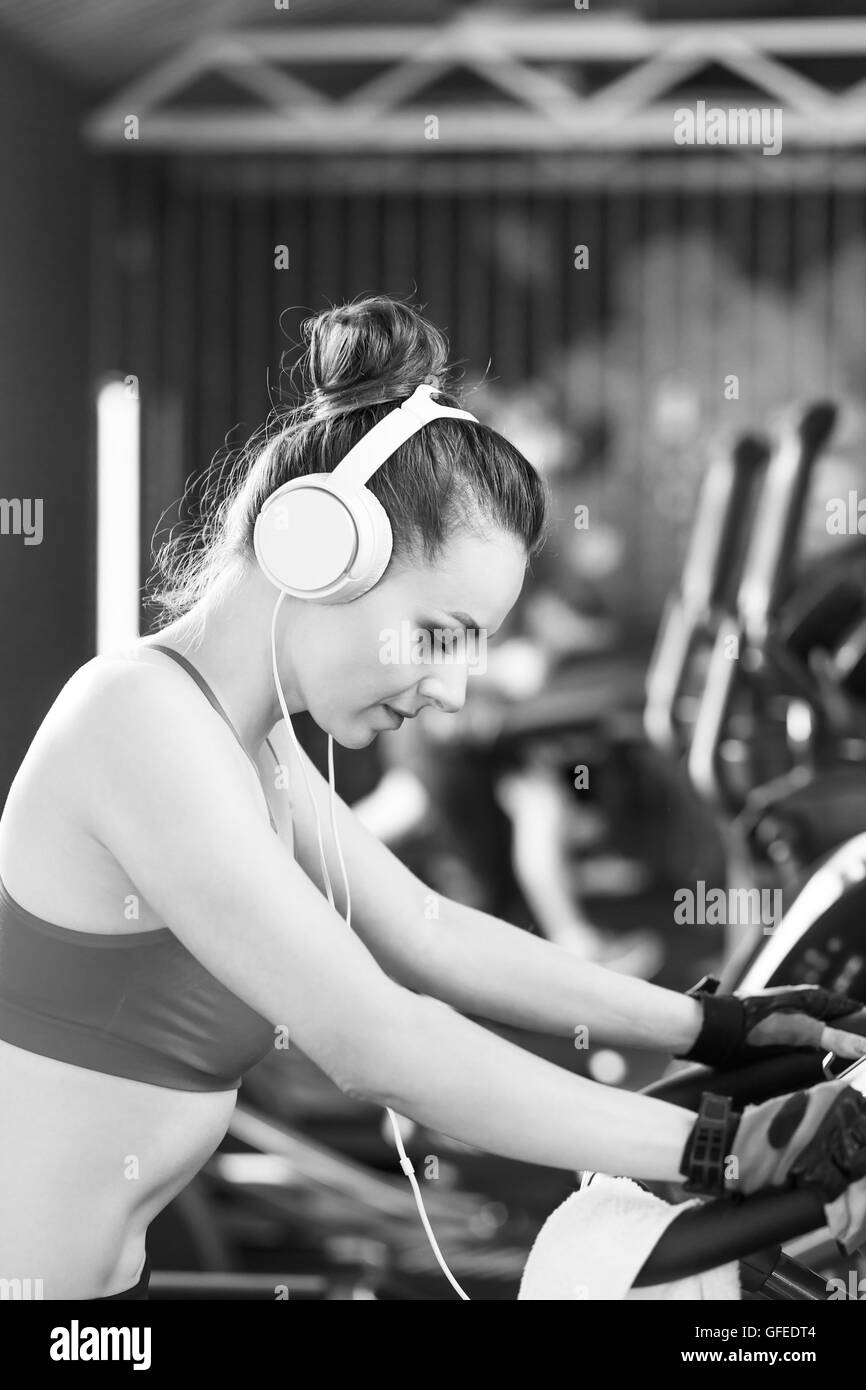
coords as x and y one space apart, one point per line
314 541
305 536
378 545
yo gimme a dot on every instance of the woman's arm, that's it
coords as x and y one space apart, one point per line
487 967
392 908
467 958
173 802
460 1079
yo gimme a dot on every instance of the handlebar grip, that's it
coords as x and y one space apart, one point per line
732 1228
786 1070
729 1229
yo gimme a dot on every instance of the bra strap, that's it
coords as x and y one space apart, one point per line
211 697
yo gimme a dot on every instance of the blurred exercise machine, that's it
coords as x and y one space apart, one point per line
775 742
777 748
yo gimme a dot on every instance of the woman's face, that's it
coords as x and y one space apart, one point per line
405 642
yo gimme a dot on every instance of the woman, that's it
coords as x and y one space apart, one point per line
157 938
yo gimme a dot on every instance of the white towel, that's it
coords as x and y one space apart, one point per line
594 1245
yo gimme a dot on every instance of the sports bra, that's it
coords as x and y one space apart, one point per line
138 1005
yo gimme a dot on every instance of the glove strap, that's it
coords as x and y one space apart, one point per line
722 1027
709 1144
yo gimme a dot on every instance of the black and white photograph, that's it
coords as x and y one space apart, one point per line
433 681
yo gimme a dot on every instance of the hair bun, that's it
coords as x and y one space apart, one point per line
375 349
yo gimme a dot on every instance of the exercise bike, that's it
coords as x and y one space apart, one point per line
773 742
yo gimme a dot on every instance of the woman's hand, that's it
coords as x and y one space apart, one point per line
736 1027
800 1019
812 1139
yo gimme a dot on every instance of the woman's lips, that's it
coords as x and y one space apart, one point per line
396 719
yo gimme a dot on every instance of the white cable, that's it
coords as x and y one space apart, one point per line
288 720
405 1160
406 1165
332 783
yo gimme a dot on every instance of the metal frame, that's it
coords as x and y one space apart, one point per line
534 69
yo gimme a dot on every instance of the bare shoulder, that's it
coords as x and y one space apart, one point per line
152 699
118 730
110 678
115 693
151 711
97 696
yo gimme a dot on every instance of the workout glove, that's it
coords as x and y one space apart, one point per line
814 1138
730 1018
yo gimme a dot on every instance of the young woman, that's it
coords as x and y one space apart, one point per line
157 935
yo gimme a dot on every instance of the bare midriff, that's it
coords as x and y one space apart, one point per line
87 1161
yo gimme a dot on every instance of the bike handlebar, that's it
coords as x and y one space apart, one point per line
732 1228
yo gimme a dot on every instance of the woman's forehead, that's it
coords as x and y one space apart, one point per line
477 578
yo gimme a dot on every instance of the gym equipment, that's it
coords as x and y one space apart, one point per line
821 938
692 614
751 676
778 751
777 748
765 709
751 1229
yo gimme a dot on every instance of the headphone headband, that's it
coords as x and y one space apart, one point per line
379 443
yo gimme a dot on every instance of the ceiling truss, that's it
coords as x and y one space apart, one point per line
535 74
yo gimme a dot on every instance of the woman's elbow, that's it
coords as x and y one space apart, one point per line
379 1057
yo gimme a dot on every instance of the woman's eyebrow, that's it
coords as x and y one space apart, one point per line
468 622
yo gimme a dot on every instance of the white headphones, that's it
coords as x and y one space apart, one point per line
325 537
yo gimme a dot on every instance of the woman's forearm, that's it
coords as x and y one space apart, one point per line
460 1079
487 967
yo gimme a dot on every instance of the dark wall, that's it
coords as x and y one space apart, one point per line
45 609
700 268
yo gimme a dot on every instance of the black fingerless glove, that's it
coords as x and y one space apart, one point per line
728 1019
812 1139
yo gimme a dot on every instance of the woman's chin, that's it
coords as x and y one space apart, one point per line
354 733
357 734
361 738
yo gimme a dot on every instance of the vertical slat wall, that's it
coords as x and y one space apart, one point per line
691 278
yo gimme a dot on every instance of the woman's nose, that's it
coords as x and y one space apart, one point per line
445 689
